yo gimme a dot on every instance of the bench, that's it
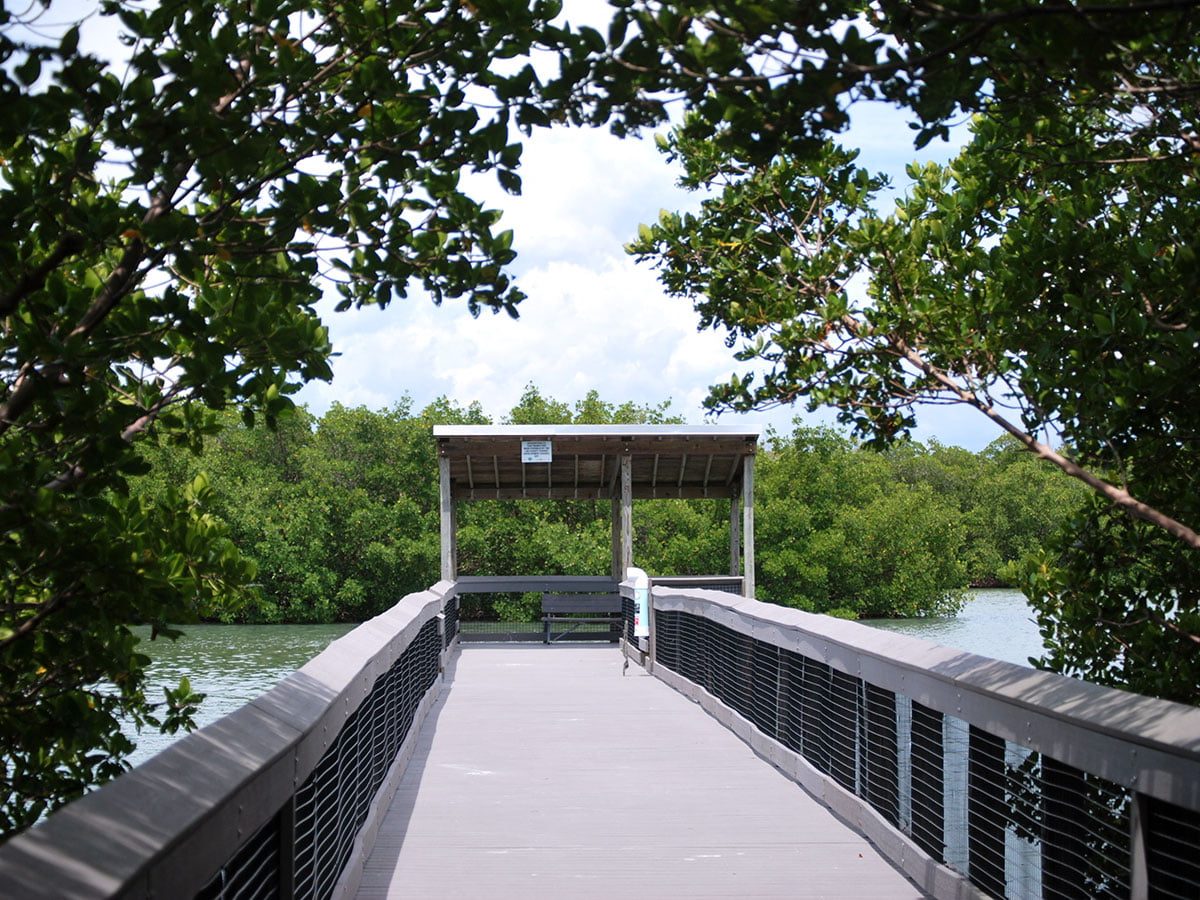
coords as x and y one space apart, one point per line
581 609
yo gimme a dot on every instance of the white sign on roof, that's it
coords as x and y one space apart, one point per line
536 452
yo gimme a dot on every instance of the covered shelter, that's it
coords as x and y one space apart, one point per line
619 463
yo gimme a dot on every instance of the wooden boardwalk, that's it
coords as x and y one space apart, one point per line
543 772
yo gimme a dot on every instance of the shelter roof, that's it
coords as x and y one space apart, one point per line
495 461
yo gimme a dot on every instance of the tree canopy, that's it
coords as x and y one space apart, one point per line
1047 276
339 514
177 207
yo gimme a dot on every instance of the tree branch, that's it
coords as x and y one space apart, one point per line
70 244
1118 496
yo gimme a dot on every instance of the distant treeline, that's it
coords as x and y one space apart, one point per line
340 514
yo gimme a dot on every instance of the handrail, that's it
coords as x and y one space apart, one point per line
502 584
1123 737
172 824
963 768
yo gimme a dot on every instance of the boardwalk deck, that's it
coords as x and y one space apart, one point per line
545 773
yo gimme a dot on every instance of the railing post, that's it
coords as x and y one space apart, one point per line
1139 873
287 849
652 640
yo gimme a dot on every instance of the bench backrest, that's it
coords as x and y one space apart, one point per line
581 603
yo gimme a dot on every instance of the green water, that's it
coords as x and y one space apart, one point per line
994 622
231 664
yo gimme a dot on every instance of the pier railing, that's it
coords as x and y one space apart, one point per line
971 774
274 800
974 776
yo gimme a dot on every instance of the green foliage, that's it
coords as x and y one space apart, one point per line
1012 504
173 219
68 687
339 515
841 533
1118 599
1046 277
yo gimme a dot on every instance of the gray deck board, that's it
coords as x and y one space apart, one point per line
543 772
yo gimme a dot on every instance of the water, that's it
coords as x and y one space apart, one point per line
231 664
994 622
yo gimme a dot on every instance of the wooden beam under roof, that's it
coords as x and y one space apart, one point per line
734 464
459 447
581 455
592 492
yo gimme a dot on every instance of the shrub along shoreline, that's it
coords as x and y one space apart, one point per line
339 515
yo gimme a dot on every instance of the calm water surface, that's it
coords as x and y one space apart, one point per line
231 664
995 622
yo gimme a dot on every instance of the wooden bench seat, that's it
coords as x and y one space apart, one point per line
581 609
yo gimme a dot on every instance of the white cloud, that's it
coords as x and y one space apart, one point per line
593 319
605 325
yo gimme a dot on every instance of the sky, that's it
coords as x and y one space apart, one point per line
593 318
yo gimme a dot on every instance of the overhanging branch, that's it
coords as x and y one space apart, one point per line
1119 497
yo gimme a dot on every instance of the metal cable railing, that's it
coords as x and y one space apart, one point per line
938 765
269 801
332 804
450 617
252 874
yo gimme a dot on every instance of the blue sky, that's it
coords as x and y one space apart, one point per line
593 318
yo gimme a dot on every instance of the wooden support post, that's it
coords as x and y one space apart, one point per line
735 534
617 573
626 513
449 562
454 538
748 527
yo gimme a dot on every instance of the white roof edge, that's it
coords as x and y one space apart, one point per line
748 431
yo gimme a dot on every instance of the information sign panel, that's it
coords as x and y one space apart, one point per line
536 452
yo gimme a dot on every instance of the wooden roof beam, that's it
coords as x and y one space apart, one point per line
733 468
612 482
